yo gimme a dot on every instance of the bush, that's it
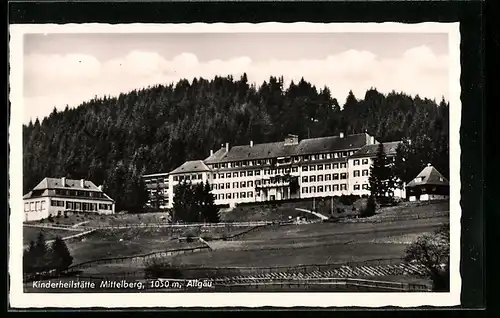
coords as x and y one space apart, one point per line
433 252
367 207
50 218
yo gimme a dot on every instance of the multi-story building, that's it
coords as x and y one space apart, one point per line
317 167
158 186
58 196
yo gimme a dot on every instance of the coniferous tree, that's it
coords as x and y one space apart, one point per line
381 177
60 256
211 212
29 255
41 256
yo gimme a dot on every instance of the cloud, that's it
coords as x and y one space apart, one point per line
57 80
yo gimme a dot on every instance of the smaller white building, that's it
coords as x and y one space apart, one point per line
59 196
428 185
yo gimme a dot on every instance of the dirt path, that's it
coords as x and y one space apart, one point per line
321 216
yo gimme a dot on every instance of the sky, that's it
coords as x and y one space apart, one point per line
67 69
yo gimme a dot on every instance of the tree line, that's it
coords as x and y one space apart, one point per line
114 140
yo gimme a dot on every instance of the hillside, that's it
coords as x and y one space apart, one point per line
114 140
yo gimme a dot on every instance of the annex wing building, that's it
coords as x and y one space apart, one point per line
58 196
292 168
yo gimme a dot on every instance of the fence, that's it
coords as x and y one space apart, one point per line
138 258
218 272
329 283
392 218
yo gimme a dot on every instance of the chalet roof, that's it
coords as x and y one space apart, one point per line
429 176
57 183
191 166
279 149
371 150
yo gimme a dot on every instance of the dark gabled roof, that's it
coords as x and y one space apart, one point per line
191 166
371 150
429 176
279 149
216 156
46 184
56 183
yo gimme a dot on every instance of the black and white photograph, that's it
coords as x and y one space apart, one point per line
255 165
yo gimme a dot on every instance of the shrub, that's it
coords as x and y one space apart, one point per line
50 218
367 207
433 252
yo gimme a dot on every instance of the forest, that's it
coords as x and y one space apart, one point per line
113 140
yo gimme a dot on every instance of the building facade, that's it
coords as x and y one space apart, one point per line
59 196
317 167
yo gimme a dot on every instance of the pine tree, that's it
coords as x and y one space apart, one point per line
211 212
381 176
41 255
29 258
61 257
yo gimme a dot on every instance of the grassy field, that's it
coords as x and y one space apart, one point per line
290 256
31 233
127 242
104 220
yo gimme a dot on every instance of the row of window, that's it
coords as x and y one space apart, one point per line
160 180
328 166
75 193
245 184
294 159
235 195
364 173
334 187
363 162
34 206
363 186
80 205
236 185
326 177
327 188
188 177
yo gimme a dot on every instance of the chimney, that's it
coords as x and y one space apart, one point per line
211 152
251 143
227 147
372 140
82 183
63 181
341 135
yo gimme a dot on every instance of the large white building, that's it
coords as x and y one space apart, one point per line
59 196
317 167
